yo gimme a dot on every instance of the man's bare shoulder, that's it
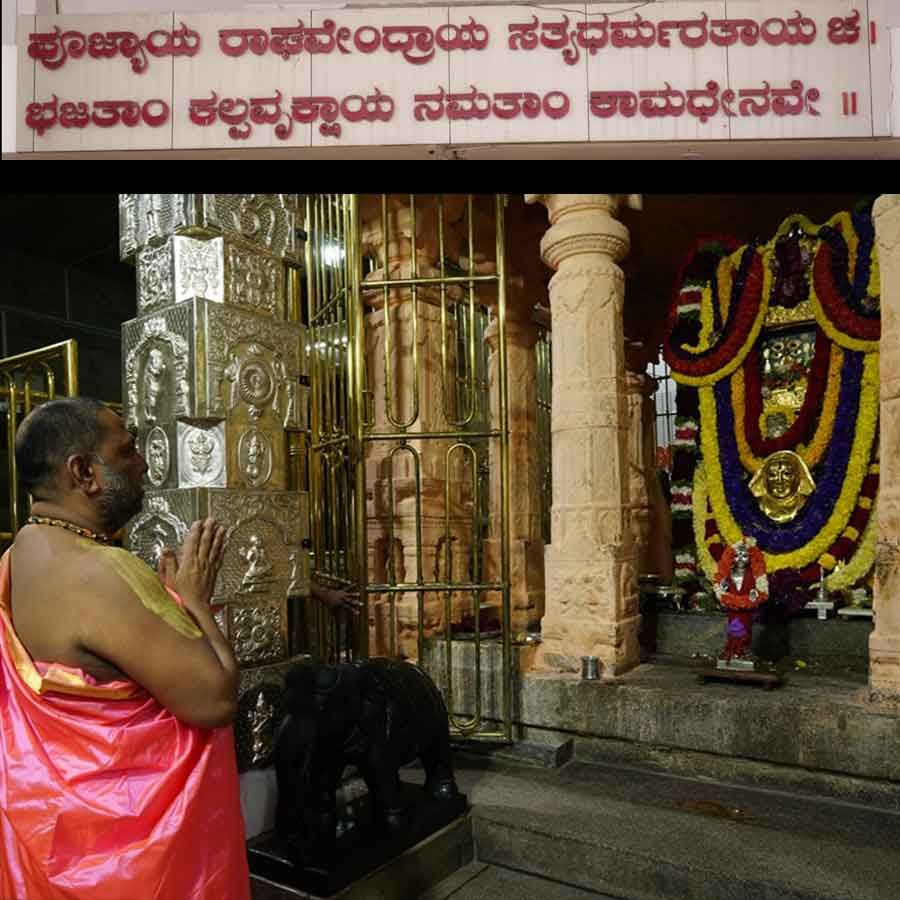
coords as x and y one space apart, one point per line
50 566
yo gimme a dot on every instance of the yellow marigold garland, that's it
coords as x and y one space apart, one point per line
857 469
861 561
704 558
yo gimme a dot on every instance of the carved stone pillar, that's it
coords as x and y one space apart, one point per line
592 602
393 388
525 539
884 643
638 487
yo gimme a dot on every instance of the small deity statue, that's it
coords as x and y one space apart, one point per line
154 384
259 570
741 587
782 485
262 733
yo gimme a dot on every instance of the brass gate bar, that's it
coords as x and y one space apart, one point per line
23 363
342 424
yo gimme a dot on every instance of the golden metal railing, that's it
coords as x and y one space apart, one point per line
465 430
348 422
333 453
18 375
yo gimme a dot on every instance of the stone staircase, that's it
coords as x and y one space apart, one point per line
638 833
655 787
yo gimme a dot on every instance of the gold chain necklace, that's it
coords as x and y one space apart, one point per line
69 526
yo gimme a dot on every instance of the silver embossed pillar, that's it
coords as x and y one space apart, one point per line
211 384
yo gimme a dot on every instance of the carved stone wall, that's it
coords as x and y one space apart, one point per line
884 643
591 564
211 384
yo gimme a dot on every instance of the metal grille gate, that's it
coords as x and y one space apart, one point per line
409 438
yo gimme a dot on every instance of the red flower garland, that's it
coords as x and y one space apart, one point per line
737 333
812 403
734 599
837 308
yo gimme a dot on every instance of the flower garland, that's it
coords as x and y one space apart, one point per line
857 554
799 543
843 292
821 396
745 320
861 561
836 528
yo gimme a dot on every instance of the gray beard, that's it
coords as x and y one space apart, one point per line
119 502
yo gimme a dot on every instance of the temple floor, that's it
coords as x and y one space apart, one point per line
654 786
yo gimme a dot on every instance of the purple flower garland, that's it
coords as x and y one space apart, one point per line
771 537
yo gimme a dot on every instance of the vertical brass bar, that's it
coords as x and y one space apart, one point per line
26 408
70 363
414 293
448 413
356 343
388 388
448 595
499 205
391 565
12 405
315 481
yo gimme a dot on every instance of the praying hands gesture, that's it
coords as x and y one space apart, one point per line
193 576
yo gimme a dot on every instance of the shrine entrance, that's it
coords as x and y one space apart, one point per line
409 444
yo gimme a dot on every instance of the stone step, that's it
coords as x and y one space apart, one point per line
641 834
479 881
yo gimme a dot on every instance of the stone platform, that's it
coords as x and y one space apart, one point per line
813 723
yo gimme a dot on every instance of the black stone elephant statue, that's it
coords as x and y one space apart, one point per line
377 715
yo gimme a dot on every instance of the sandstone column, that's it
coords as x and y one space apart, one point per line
884 643
526 541
591 599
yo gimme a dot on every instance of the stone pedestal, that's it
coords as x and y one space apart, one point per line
884 644
592 598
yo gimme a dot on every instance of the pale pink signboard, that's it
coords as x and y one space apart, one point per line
680 70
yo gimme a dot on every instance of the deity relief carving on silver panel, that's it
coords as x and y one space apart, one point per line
156 452
268 220
201 455
156 372
199 268
255 281
258 576
287 512
148 219
255 565
154 278
156 529
254 453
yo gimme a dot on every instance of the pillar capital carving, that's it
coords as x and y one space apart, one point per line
582 224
